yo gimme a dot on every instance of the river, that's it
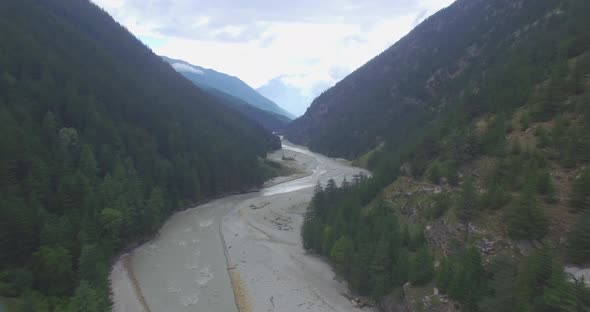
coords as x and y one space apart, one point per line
186 267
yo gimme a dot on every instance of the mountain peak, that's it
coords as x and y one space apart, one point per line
234 86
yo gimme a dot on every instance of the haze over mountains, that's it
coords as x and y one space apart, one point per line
211 79
291 98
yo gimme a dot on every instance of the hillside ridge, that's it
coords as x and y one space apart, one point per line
234 86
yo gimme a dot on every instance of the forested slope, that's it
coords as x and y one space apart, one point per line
269 120
477 46
101 140
477 128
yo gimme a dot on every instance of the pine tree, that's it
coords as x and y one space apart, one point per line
502 286
496 197
421 267
364 249
331 187
558 295
435 172
580 198
88 165
341 254
579 240
527 221
91 264
328 238
474 275
87 299
380 269
468 203
445 275
545 183
154 209
549 102
401 269
310 230
52 267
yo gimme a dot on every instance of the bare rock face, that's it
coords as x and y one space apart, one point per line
440 234
406 169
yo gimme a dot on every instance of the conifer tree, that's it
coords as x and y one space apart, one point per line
527 221
341 254
468 202
421 267
502 286
580 198
579 240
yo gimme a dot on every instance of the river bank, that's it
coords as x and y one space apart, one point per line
220 256
264 245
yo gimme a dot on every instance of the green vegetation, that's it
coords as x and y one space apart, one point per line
526 220
467 207
369 247
538 284
498 117
579 240
580 199
101 141
462 277
378 253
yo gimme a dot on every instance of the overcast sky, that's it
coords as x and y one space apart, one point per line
310 44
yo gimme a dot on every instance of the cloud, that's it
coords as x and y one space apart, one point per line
309 44
186 68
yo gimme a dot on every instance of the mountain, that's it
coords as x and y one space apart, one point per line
101 140
291 98
211 79
269 120
476 126
445 59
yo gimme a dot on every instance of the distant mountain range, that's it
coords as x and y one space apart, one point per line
268 120
233 86
290 98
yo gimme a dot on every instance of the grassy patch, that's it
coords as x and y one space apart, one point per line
363 161
274 169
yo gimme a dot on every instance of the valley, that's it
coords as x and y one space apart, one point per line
251 241
450 172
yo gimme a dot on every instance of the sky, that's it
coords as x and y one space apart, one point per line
308 44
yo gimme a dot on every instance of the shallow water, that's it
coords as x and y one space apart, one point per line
184 269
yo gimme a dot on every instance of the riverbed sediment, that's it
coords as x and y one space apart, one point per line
237 253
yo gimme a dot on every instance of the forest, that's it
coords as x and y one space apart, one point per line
493 48
101 140
504 150
372 246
